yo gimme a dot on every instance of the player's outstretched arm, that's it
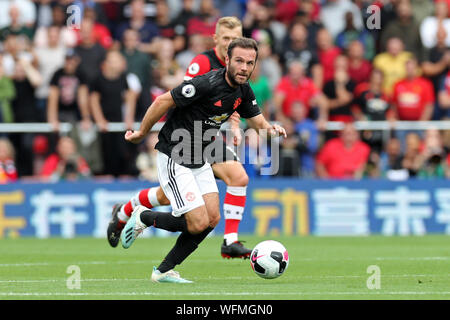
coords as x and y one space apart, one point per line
157 109
259 122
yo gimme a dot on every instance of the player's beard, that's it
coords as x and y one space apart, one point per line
232 75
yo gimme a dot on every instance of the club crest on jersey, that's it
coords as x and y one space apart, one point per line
188 90
190 196
194 68
237 103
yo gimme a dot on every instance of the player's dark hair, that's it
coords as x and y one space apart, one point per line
245 43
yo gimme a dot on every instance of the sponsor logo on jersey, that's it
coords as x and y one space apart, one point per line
188 90
218 103
219 119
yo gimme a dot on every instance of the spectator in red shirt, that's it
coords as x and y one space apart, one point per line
66 163
343 157
413 100
327 53
8 172
296 87
100 32
413 97
285 11
448 165
359 69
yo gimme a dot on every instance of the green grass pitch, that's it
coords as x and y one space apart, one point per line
319 268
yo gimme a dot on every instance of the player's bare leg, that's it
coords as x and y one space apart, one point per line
234 175
212 208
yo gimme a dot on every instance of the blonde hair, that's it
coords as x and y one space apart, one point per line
228 22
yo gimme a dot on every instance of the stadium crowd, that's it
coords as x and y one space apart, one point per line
319 61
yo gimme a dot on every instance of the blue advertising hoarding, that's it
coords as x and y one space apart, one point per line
273 207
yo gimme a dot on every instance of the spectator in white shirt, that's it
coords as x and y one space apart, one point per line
332 15
429 26
26 8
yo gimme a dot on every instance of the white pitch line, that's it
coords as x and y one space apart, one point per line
64 280
383 276
30 264
233 278
36 264
378 259
415 258
223 293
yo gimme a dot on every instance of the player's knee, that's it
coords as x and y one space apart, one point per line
199 226
198 223
240 179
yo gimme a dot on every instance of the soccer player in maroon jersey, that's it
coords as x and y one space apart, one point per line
230 171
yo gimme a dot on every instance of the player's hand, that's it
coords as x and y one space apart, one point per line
237 137
134 136
277 130
235 120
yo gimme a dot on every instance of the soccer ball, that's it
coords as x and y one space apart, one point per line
269 259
